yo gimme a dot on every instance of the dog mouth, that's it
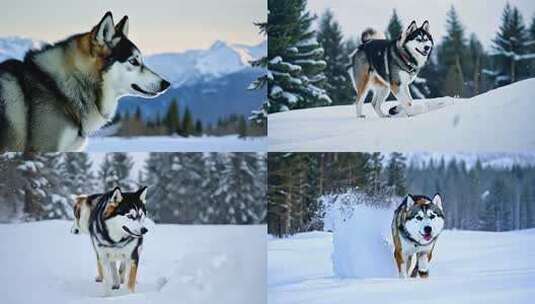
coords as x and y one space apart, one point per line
427 236
130 232
140 90
423 53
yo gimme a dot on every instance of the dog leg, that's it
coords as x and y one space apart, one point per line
403 95
107 276
379 96
414 272
423 270
363 80
132 274
99 271
122 268
398 256
115 276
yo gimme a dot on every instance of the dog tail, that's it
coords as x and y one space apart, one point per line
370 34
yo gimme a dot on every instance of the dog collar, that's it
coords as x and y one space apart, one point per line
409 62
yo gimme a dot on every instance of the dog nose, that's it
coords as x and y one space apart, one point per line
427 47
164 85
144 230
427 229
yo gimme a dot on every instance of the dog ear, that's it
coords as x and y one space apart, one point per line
117 196
437 200
409 30
104 31
122 26
142 193
425 26
410 202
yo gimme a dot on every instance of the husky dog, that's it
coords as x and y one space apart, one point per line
385 66
417 223
58 95
116 227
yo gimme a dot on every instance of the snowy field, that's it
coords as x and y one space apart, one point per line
44 263
499 120
229 143
467 267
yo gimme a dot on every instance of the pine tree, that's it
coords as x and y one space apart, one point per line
396 174
187 123
451 54
198 127
295 62
394 28
76 171
338 84
510 44
172 119
115 172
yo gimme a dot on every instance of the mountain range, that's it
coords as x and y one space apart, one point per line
211 82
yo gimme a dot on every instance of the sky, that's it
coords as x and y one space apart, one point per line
479 16
155 25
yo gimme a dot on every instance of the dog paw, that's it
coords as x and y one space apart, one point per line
361 116
115 287
98 279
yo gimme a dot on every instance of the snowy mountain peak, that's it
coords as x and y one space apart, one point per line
218 44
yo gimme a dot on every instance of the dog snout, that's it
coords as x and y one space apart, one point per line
428 229
426 48
144 230
164 84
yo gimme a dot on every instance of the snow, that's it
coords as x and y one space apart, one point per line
16 47
43 262
467 267
349 258
499 120
229 143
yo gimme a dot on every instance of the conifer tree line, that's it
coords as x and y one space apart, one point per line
316 75
185 188
184 124
475 197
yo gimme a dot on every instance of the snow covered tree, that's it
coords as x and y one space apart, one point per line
260 115
510 46
394 28
338 82
295 62
77 174
115 172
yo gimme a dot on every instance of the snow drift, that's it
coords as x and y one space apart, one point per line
43 263
499 120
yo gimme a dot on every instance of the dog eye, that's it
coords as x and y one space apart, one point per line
133 61
418 217
432 216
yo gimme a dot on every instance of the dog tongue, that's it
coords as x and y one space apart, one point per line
427 237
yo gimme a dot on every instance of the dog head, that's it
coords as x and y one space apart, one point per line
124 72
417 41
424 218
125 213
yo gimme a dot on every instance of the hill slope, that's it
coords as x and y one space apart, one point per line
499 120
467 267
44 263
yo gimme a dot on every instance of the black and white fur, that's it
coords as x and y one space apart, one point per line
116 228
383 66
58 95
417 224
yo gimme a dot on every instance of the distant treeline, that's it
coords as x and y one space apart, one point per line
308 58
176 123
184 188
476 198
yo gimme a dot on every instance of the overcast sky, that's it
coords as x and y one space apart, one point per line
479 16
155 25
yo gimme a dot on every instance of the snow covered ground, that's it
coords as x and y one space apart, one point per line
44 263
499 120
467 267
229 143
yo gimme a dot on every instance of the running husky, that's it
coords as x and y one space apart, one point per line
58 95
116 227
417 223
385 66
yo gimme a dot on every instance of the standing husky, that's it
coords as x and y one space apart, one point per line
385 66
58 95
116 227
417 223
